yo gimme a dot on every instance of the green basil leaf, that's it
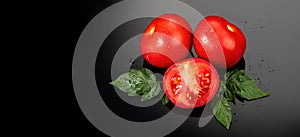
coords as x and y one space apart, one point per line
148 73
222 112
142 74
229 74
230 96
123 83
239 83
164 99
155 90
138 82
223 91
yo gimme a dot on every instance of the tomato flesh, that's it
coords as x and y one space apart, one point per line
191 83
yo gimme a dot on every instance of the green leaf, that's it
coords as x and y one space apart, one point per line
155 89
228 94
237 84
242 85
123 83
164 99
222 112
148 73
138 82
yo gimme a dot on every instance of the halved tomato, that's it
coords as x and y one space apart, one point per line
191 83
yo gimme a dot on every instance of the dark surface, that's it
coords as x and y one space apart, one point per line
271 58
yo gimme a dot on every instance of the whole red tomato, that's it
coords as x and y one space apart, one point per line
191 83
219 41
166 40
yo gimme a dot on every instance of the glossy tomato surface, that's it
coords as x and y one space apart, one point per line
191 83
167 39
219 41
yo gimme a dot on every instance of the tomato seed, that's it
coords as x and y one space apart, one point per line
205 86
188 96
207 81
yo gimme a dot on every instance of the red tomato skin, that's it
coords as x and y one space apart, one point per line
219 41
201 66
167 39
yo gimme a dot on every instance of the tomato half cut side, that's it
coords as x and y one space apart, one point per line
191 83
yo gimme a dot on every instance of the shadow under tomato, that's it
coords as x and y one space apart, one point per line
241 65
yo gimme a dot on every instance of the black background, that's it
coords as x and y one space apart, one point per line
75 123
81 12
